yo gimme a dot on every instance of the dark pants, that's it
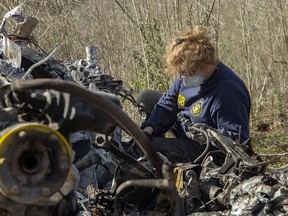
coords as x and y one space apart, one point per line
181 150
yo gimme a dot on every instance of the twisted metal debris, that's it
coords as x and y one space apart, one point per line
62 151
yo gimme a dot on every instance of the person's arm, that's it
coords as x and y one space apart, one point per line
231 112
164 112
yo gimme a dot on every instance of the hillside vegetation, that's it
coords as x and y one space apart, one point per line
251 36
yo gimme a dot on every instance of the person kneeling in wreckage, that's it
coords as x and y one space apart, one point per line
205 93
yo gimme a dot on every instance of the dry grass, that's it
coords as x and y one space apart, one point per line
270 138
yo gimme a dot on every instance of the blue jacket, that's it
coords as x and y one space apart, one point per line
222 101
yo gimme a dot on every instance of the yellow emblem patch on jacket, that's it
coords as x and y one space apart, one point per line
197 108
181 100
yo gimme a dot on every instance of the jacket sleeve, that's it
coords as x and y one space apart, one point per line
165 111
231 112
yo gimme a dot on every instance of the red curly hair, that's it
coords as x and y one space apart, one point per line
191 52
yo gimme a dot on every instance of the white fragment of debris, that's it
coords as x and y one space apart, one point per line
12 52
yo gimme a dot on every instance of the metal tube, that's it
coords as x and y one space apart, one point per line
91 53
101 102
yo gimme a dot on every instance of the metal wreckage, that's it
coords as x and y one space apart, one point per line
62 150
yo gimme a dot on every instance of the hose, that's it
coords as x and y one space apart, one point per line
101 102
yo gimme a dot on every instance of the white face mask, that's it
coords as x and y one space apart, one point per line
193 81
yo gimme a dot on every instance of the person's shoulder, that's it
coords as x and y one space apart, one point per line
228 76
226 71
227 87
230 90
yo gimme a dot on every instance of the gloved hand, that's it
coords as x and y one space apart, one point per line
198 132
147 134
